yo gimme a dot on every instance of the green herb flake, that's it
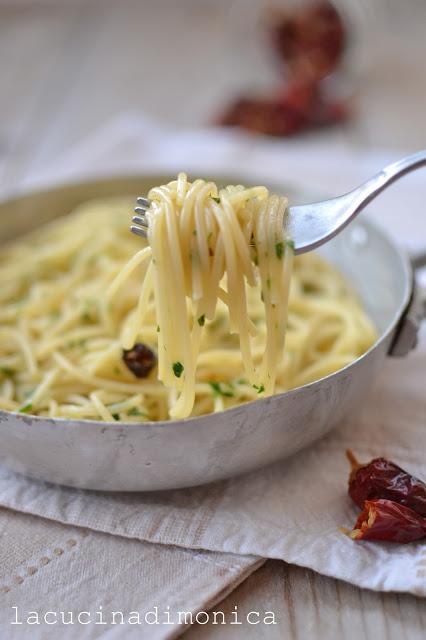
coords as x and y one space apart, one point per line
158 328
216 199
72 344
26 408
117 370
256 260
201 320
219 390
268 282
279 250
194 233
134 411
116 416
177 369
289 244
259 388
242 381
6 371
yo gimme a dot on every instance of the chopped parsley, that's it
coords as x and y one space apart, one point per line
89 310
72 344
242 381
279 250
268 282
222 389
177 369
216 199
116 416
201 320
26 408
134 411
290 244
158 328
117 370
260 388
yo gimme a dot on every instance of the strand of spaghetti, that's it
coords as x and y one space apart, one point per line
185 223
163 313
200 224
131 331
53 408
172 318
50 344
7 389
106 356
213 285
103 383
242 248
23 343
100 407
237 296
138 259
44 386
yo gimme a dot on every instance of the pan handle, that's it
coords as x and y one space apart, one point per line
406 336
419 261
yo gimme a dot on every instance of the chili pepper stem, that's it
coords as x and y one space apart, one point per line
352 460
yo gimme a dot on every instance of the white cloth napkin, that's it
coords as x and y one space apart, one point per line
47 567
291 510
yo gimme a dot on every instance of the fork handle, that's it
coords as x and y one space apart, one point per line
375 185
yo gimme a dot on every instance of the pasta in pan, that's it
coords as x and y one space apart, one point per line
211 311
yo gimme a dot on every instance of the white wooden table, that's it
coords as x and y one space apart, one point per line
67 67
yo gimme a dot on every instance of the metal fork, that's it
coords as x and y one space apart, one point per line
311 225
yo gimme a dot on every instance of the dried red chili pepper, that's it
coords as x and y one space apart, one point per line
310 42
388 521
381 478
310 39
140 360
298 107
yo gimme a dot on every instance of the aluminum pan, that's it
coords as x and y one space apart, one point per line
162 455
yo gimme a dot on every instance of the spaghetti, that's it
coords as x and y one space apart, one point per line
209 293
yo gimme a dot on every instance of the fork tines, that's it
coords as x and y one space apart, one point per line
141 224
139 231
144 202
